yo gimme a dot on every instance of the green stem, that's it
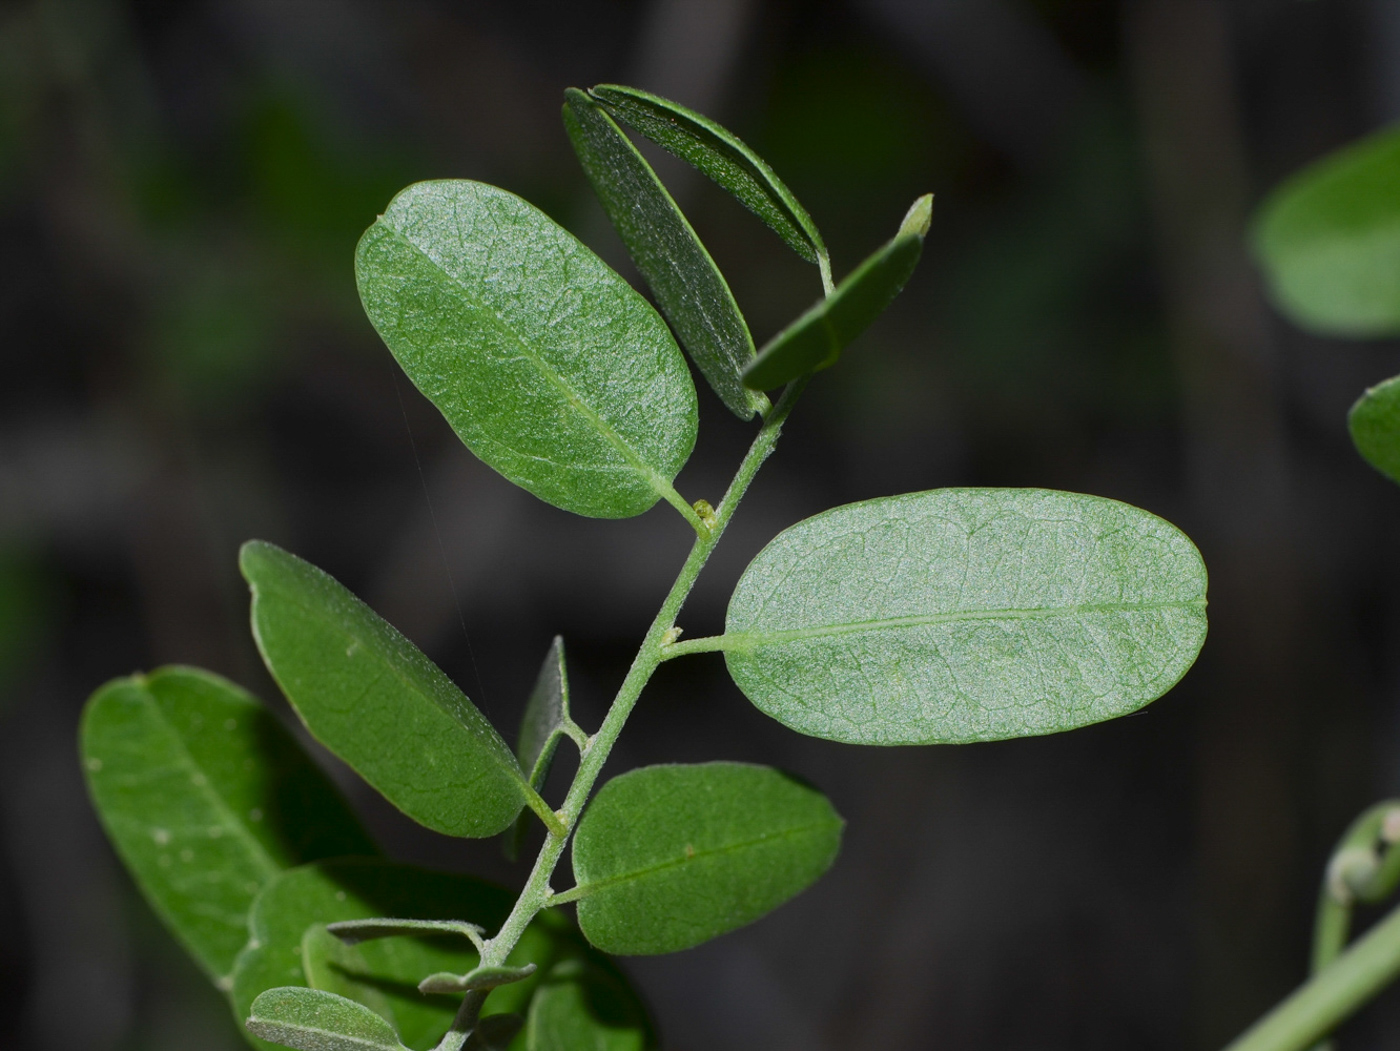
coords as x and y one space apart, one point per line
708 644
1331 995
537 894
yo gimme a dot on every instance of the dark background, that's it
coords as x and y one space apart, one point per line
183 365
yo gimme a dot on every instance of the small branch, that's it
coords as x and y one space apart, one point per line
687 512
542 810
824 265
708 644
566 896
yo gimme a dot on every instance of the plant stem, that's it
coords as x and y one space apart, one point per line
536 894
1331 995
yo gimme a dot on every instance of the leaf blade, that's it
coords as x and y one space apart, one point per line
372 698
206 798
311 1020
581 1004
687 284
815 340
961 615
667 857
546 363
1374 423
720 155
541 728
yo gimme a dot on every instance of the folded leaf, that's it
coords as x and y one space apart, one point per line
352 932
720 155
547 364
965 615
815 340
372 698
315 1021
546 715
476 978
1374 422
206 798
687 285
1328 240
582 1006
667 857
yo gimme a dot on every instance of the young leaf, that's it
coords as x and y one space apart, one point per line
815 340
965 615
687 285
1374 422
311 1020
372 698
476 978
582 1005
352 932
206 798
667 857
720 155
1328 240
546 363
383 974
546 716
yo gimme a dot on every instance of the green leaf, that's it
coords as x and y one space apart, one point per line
1374 422
206 798
720 155
352 932
815 340
667 857
544 722
582 1006
687 285
383 974
546 363
965 615
315 1021
476 978
1328 240
372 698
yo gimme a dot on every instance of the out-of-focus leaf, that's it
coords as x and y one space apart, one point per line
546 715
719 154
582 1006
372 698
815 340
966 615
687 285
206 798
546 363
1329 241
1374 422
667 857
352 932
311 1020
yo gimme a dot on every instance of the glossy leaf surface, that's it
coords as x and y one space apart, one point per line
815 340
719 154
547 364
311 1020
585 1006
667 857
966 615
383 974
1329 241
372 698
541 727
206 798
687 285
1374 422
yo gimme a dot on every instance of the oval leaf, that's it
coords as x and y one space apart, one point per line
815 340
965 615
547 364
372 698
667 857
206 798
1329 241
687 285
546 716
288 918
719 154
315 1021
1374 422
581 1006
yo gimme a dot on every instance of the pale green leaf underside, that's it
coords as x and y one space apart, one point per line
206 798
720 155
541 727
311 1020
963 615
373 698
1329 241
547 364
815 340
1374 422
667 857
687 285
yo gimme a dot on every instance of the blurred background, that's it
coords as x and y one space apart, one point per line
184 365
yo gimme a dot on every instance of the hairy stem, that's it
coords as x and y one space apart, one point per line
537 893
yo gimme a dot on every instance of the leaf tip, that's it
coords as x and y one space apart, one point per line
917 219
